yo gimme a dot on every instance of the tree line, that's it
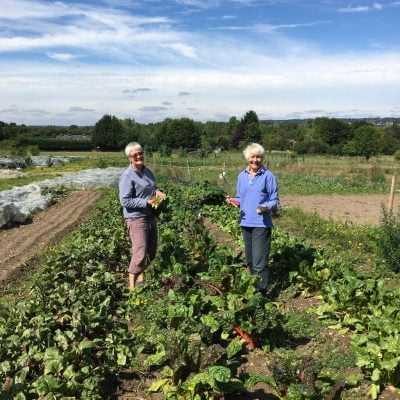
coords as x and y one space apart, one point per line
319 135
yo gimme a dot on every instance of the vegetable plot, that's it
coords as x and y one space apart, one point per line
354 302
187 331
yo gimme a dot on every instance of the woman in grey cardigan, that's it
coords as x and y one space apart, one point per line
137 194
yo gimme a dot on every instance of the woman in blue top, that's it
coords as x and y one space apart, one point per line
257 196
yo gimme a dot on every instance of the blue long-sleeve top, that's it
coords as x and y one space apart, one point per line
135 188
254 191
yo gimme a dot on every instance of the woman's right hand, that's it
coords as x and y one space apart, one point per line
231 200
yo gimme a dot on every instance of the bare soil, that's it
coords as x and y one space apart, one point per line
26 242
10 173
355 209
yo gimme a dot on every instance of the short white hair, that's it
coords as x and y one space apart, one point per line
132 146
254 149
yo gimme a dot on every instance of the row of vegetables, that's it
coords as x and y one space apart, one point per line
354 300
187 330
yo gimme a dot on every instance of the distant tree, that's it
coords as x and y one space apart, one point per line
368 141
228 133
131 129
109 133
251 127
238 136
176 133
250 117
211 132
331 130
252 132
184 133
391 139
310 146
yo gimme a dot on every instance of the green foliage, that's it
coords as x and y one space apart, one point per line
311 146
50 143
18 152
388 243
353 301
318 184
194 317
109 133
339 235
331 130
33 150
367 141
49 161
397 155
9 183
302 325
250 122
176 133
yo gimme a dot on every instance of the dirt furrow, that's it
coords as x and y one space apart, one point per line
26 242
55 223
353 209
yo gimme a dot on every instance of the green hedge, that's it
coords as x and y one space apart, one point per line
55 144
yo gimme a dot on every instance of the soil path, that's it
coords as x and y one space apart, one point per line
356 209
26 242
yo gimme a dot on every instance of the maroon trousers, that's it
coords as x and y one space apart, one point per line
143 235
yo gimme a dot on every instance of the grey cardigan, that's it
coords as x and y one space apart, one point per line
135 188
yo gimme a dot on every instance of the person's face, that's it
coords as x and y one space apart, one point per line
136 158
255 162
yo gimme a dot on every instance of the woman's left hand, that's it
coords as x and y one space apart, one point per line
263 210
160 195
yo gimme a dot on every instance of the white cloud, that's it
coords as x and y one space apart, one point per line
350 9
61 56
121 54
199 3
91 27
269 28
185 50
91 39
80 109
272 28
19 9
368 82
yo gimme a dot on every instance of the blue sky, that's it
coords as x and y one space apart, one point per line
70 62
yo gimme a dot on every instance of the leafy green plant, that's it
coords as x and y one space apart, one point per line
388 244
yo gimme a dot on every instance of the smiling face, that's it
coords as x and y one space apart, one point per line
136 158
255 162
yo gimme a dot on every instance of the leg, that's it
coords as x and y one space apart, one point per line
134 279
138 229
261 242
247 238
152 240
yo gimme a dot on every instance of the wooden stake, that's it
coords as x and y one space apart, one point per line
392 190
188 168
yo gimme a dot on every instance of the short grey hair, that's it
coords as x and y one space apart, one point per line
254 149
132 146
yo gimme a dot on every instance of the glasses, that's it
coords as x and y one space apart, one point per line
138 154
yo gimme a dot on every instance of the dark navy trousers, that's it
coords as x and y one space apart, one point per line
257 244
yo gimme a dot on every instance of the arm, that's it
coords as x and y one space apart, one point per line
125 195
237 197
272 190
235 201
